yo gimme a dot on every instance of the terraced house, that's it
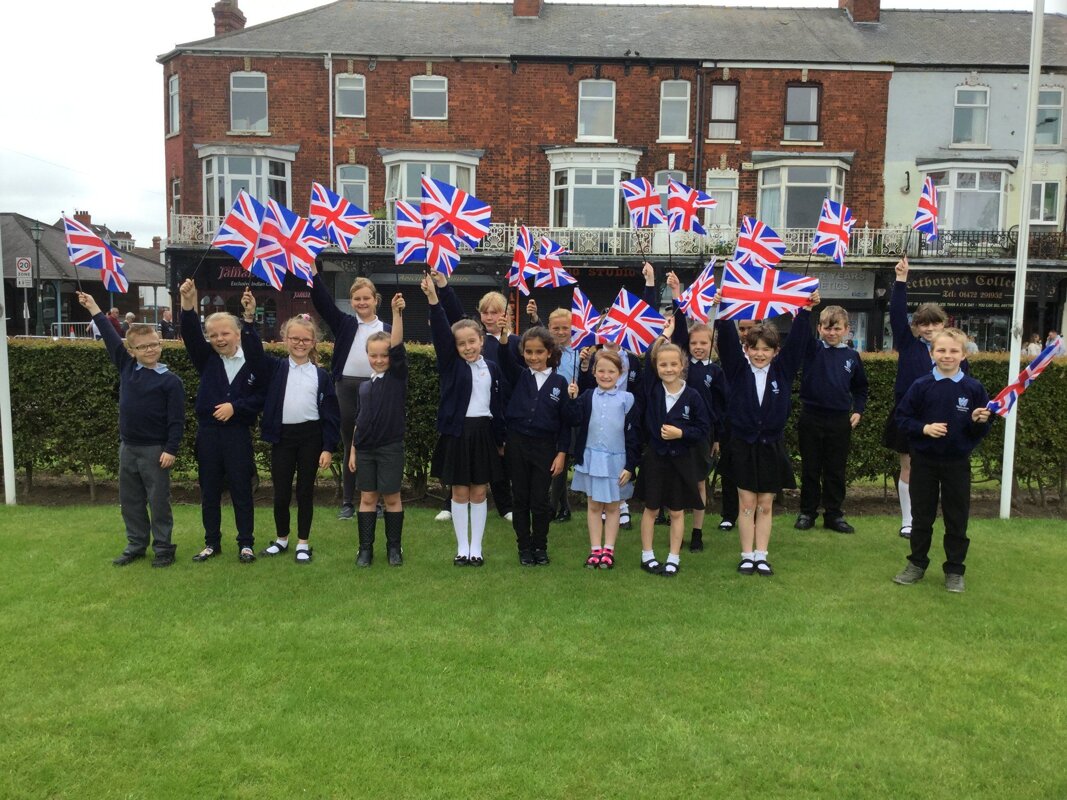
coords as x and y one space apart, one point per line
541 109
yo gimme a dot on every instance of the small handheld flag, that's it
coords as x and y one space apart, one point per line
584 320
550 269
695 301
926 213
288 241
523 262
410 235
1005 400
643 203
833 232
446 209
86 249
757 243
341 220
684 205
750 291
631 323
239 232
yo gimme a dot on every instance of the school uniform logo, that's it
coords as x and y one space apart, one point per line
962 404
685 412
774 386
555 394
848 365
632 376
707 380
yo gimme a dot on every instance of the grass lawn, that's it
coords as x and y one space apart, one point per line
273 680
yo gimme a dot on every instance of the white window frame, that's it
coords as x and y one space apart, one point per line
596 137
246 90
715 186
258 178
439 80
401 159
662 183
837 177
1044 186
958 106
173 104
342 182
622 161
338 89
948 188
176 196
723 120
1058 143
664 101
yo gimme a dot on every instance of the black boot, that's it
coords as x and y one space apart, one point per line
394 525
366 520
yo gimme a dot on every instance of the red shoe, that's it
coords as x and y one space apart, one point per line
607 559
594 559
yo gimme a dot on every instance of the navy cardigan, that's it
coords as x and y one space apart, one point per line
689 413
580 410
343 326
708 379
455 377
275 372
245 392
532 411
749 420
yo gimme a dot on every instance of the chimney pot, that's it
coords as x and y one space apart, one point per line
155 242
228 17
84 217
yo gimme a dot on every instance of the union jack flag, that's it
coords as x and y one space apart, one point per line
523 262
643 203
88 250
926 213
751 291
289 242
757 243
239 232
1005 401
683 207
341 220
441 253
446 209
695 301
631 323
410 235
550 269
584 320
833 232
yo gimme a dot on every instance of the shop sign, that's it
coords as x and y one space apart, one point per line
845 284
975 290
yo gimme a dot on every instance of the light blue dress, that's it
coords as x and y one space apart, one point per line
605 449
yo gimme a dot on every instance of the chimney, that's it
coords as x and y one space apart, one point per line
526 8
228 17
156 242
862 10
84 217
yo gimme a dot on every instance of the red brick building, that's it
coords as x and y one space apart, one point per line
538 109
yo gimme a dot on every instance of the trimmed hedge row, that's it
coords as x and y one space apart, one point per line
65 410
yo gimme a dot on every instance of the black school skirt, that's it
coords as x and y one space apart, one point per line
471 459
892 436
670 481
762 467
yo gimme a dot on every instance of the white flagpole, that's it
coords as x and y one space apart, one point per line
5 395
1022 252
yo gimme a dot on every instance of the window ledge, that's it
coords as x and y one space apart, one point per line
597 139
722 141
970 147
800 143
248 133
173 134
1048 147
429 119
673 140
350 116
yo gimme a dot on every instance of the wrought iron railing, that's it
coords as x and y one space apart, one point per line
866 242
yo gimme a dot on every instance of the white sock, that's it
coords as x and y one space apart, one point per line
624 509
749 555
479 511
648 555
759 555
672 558
904 493
301 546
459 525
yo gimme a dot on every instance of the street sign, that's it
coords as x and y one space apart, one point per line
23 273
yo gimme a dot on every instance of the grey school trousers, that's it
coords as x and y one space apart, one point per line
145 486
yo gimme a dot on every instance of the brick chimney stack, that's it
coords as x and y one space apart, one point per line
156 242
527 8
84 217
862 10
228 17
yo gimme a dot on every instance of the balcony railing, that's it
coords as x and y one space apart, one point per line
187 229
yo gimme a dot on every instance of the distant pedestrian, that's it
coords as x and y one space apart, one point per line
129 320
167 330
972 346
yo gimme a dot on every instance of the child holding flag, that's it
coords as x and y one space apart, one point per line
151 423
300 420
944 416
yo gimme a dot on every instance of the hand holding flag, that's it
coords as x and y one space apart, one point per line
1005 400
750 291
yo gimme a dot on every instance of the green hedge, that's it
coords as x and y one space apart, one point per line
65 396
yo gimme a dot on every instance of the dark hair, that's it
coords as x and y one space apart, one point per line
544 335
929 314
767 334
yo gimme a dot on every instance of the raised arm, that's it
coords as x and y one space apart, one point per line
251 344
116 348
796 344
447 296
898 305
192 335
648 294
444 342
396 335
326 308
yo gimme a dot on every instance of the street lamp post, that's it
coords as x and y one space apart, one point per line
36 231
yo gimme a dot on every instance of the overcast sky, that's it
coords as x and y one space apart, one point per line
83 105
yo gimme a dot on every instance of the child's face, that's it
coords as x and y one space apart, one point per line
700 345
560 327
606 374
223 337
761 354
492 319
743 327
378 355
145 349
833 332
299 340
928 330
468 344
947 354
535 353
669 367
364 303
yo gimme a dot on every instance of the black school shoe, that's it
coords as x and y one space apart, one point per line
348 510
696 542
163 560
839 525
526 558
747 566
805 522
540 558
207 553
125 559
726 525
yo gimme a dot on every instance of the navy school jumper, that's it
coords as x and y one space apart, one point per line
275 372
343 326
749 420
708 379
832 379
913 356
491 349
455 377
536 412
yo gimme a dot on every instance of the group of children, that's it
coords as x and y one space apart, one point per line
514 410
